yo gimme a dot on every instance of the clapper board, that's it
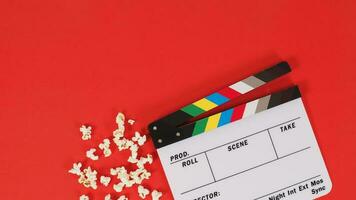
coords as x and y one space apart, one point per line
264 149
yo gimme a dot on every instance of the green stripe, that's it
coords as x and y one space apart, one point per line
192 110
200 126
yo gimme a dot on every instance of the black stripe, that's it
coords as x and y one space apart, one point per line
284 96
274 72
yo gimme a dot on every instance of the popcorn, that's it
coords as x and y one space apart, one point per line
76 169
139 139
123 143
143 161
107 152
90 154
131 121
123 197
118 133
134 148
125 178
142 192
120 119
139 175
118 187
86 132
117 171
88 178
145 174
128 179
84 197
107 197
105 180
156 195
105 147
133 157
129 183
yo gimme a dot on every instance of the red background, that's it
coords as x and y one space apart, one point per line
68 62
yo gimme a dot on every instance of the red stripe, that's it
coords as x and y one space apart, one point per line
238 112
229 93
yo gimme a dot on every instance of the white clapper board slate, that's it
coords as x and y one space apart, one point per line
261 150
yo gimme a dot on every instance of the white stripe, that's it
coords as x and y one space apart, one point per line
241 87
250 108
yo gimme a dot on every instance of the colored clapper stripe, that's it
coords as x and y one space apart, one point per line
205 104
200 126
217 98
213 122
229 93
193 110
225 117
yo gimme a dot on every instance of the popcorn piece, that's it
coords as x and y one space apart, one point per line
107 197
117 171
105 147
113 172
86 132
139 175
142 192
76 169
123 197
119 133
129 183
139 139
133 157
145 174
134 148
120 119
84 197
123 143
107 152
126 179
105 144
143 161
105 180
88 178
131 121
156 195
90 154
118 187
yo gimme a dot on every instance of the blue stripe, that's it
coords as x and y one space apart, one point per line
217 98
225 117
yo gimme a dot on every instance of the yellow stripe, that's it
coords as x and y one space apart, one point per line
213 122
205 104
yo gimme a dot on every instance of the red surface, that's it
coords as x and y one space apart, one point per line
68 62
